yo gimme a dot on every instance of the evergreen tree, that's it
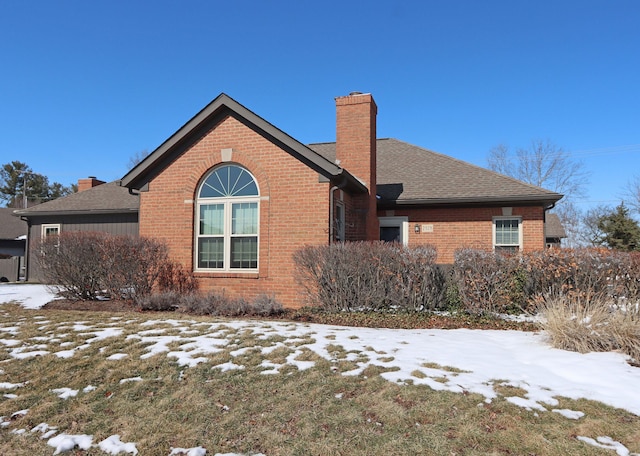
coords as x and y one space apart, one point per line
618 230
18 180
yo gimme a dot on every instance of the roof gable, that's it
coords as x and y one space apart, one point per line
102 199
408 174
207 118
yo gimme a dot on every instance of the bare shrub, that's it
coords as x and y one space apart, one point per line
174 277
161 302
484 280
585 274
266 306
85 265
72 262
217 303
198 304
629 276
419 284
135 266
372 276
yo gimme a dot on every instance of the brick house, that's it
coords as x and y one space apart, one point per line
234 197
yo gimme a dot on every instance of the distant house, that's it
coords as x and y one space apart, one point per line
97 206
13 234
554 231
234 197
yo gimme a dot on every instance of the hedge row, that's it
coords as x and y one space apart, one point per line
371 276
388 277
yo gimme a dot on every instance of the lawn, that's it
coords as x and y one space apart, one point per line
171 384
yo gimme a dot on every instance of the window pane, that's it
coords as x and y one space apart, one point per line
211 253
507 232
212 219
228 180
244 252
244 218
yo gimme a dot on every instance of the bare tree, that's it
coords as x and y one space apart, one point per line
632 194
591 232
137 158
546 165
543 164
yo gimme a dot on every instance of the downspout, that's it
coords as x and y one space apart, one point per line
331 191
27 250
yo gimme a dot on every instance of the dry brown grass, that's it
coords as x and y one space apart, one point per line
311 412
586 326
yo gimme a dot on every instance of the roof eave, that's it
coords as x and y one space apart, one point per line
147 168
545 200
28 214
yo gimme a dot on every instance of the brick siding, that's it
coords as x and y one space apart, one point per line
294 209
454 228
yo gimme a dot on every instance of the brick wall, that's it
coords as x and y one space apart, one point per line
294 209
454 228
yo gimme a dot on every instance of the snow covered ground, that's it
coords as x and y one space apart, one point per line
452 360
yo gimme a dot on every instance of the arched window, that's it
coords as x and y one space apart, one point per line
227 216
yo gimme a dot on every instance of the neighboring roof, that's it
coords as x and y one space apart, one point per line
202 122
103 199
11 227
553 227
411 175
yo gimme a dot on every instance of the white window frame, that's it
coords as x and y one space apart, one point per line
46 226
507 247
228 203
400 222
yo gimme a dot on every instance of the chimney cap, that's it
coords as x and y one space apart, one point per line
355 93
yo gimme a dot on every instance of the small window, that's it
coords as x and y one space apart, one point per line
507 234
50 230
227 221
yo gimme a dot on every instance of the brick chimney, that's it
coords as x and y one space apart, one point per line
89 182
356 151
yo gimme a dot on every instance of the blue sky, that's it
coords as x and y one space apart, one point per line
84 86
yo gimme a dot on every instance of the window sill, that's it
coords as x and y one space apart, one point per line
226 275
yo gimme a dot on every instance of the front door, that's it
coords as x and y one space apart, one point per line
394 229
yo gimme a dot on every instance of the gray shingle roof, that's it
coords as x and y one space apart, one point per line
553 227
11 227
409 174
103 199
